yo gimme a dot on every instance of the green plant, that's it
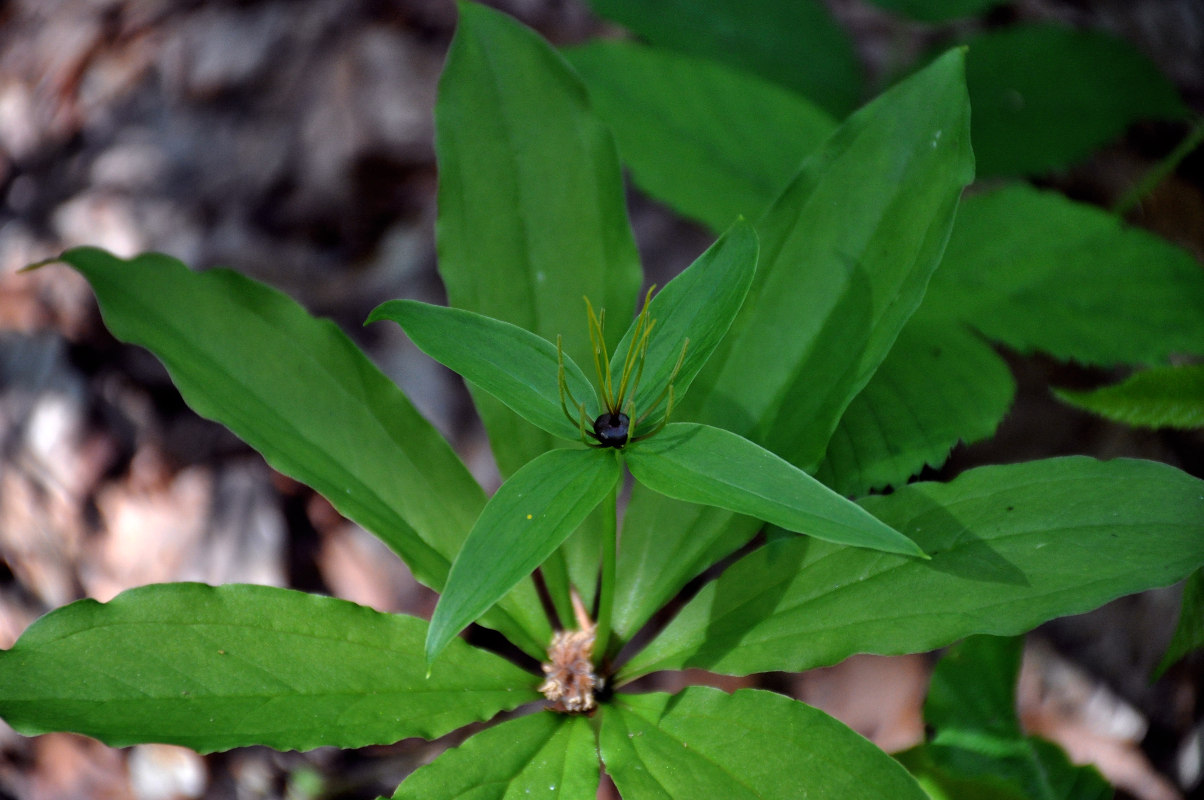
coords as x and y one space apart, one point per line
829 341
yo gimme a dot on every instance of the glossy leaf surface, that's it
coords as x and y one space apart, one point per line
1160 397
795 43
712 141
940 384
511 364
1011 546
972 706
544 755
1045 96
845 254
702 742
532 215
697 306
711 466
1036 271
530 516
218 667
301 393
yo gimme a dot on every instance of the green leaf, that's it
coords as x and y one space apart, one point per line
940 784
698 305
532 214
512 364
795 43
846 252
937 10
540 755
711 141
1045 96
711 466
1036 271
301 393
702 742
1012 546
972 705
1189 633
939 384
1162 397
218 667
531 514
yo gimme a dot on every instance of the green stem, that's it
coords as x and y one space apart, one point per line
1159 171
606 589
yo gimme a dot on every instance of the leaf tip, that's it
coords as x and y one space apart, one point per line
40 264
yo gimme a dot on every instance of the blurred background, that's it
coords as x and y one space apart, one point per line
293 140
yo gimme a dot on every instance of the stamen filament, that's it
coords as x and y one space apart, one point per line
668 390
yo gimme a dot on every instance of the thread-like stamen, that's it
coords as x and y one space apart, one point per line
681 357
563 384
597 341
637 348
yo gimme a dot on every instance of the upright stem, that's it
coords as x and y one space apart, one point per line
606 589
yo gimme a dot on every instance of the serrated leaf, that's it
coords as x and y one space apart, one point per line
1045 96
532 214
1012 546
712 141
1161 397
513 365
218 667
846 252
702 742
972 705
697 306
939 385
1036 271
543 755
530 516
301 393
711 466
795 43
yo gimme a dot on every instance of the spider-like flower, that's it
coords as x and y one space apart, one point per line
614 426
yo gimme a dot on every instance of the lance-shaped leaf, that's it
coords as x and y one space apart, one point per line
846 252
698 305
711 466
1161 397
751 744
532 213
712 141
218 667
544 754
301 393
1012 546
531 514
795 43
972 707
512 364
